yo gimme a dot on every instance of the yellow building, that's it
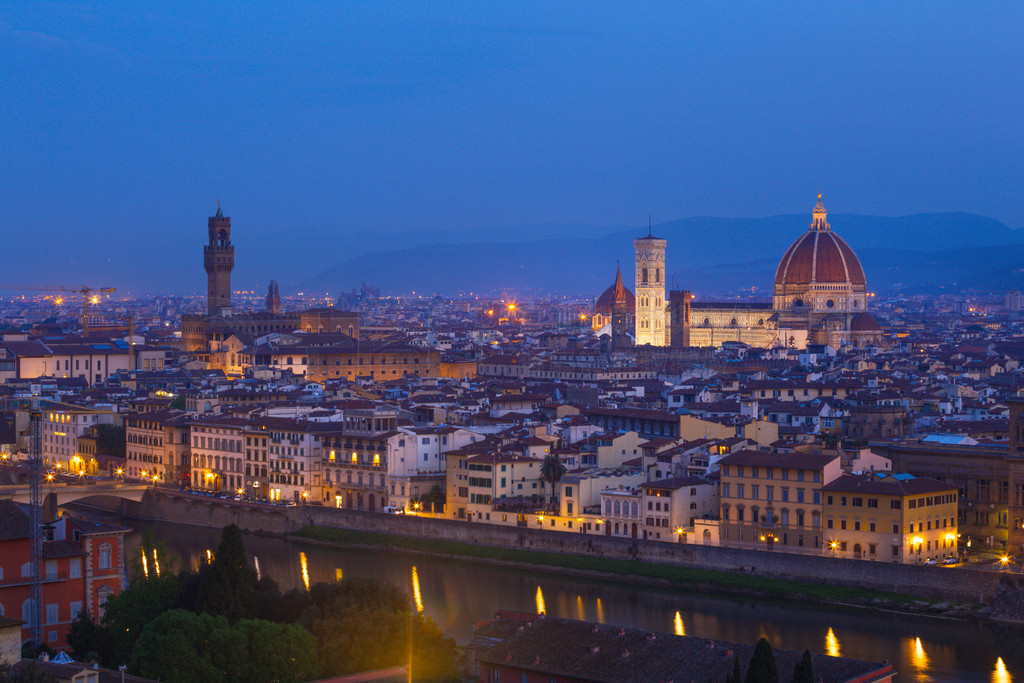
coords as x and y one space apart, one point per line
354 358
889 517
772 501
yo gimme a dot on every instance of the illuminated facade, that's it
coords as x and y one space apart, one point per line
651 319
890 518
819 296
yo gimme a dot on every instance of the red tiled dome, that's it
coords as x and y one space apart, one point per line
864 322
819 256
607 299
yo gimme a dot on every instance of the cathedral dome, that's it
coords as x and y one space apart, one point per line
607 298
864 322
819 257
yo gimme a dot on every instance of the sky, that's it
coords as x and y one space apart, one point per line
331 129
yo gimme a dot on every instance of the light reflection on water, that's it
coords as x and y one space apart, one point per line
456 594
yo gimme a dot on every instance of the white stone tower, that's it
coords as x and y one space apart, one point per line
651 327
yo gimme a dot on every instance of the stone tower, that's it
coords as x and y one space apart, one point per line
620 316
650 291
679 316
273 298
219 259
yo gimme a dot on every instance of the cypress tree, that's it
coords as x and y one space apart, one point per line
762 665
804 672
228 587
736 676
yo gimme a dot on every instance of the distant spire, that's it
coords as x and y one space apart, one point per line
649 225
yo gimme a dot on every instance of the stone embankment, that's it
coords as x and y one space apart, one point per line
929 583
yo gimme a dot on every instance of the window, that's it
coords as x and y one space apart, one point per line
51 570
105 552
52 614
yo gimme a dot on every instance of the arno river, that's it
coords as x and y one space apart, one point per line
456 594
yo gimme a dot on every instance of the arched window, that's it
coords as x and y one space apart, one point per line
636 509
607 507
28 612
618 508
26 570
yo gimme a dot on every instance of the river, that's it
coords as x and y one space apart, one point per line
455 594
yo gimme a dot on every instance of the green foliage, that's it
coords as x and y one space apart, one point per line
126 615
179 403
194 626
229 587
361 624
762 665
291 659
181 646
110 440
552 469
804 672
89 640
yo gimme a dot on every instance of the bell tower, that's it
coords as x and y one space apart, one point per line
219 260
650 291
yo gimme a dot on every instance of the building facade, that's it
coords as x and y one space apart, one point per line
649 292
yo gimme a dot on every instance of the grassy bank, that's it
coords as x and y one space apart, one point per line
675 576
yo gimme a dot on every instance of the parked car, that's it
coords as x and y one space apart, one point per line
950 560
930 561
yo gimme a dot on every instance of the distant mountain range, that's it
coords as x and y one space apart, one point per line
950 252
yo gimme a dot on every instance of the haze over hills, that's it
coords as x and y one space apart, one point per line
712 256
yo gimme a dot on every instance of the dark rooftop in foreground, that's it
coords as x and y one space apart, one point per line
586 651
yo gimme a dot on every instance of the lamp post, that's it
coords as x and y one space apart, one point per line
832 545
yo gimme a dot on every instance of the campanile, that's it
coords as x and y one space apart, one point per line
219 260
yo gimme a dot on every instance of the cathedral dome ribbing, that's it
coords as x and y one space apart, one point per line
819 257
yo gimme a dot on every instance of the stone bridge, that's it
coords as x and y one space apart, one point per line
61 494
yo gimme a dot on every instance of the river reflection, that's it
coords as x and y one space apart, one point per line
455 594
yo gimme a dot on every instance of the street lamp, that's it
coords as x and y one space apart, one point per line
832 545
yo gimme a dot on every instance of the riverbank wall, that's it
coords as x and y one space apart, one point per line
931 583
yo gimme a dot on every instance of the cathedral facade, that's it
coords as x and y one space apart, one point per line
819 297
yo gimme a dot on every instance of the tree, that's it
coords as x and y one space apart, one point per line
89 640
736 676
804 672
762 665
179 647
293 657
126 615
229 586
179 403
552 469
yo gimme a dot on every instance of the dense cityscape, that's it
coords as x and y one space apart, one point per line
828 428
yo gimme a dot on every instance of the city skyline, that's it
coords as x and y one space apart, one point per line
335 132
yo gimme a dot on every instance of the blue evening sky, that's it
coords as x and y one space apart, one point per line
333 128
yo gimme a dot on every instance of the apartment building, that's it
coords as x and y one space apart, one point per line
670 506
772 500
889 517
61 429
158 446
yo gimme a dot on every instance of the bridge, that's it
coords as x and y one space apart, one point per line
67 493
